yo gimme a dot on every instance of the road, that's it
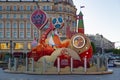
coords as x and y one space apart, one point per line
9 76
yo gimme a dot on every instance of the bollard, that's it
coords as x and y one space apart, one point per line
98 63
32 65
26 63
71 65
15 64
85 64
9 64
44 65
58 64
106 66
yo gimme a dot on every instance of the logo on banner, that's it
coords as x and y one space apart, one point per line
39 18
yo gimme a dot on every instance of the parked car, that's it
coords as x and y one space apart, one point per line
117 63
111 63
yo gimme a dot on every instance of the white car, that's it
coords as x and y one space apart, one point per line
111 63
117 62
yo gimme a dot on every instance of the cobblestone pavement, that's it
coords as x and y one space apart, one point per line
9 76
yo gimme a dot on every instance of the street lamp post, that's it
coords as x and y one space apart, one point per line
11 45
9 63
102 45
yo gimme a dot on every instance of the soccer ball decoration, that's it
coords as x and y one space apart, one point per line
58 22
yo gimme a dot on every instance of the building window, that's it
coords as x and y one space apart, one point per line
1 25
0 8
15 8
14 34
48 7
28 16
21 16
35 34
2 0
1 16
7 34
8 16
14 16
7 25
28 8
46 0
8 8
73 24
44 8
1 34
35 7
43 0
28 35
21 25
26 0
14 25
68 10
21 8
28 26
21 34
60 8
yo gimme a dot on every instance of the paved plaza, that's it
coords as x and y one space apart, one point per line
9 76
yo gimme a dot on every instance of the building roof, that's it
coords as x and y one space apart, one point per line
65 1
55 1
80 22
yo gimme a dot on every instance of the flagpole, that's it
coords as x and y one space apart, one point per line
81 7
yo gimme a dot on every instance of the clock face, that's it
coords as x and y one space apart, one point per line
78 41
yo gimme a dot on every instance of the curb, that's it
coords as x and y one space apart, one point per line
61 73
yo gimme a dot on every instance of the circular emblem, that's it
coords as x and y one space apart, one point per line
78 41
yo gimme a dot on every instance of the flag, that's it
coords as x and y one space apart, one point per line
82 6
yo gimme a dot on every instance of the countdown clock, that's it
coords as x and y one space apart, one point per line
78 41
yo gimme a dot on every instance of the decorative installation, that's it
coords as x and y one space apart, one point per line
55 56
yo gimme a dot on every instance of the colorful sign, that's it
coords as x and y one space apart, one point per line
39 18
78 41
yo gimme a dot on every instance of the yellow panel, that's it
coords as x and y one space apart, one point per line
29 46
19 46
3 46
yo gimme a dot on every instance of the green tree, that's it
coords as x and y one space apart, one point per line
116 51
108 50
93 47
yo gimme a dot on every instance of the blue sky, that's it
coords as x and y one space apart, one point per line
101 16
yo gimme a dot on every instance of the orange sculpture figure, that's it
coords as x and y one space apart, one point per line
58 43
45 49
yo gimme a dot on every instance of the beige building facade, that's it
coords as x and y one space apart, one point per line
15 25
